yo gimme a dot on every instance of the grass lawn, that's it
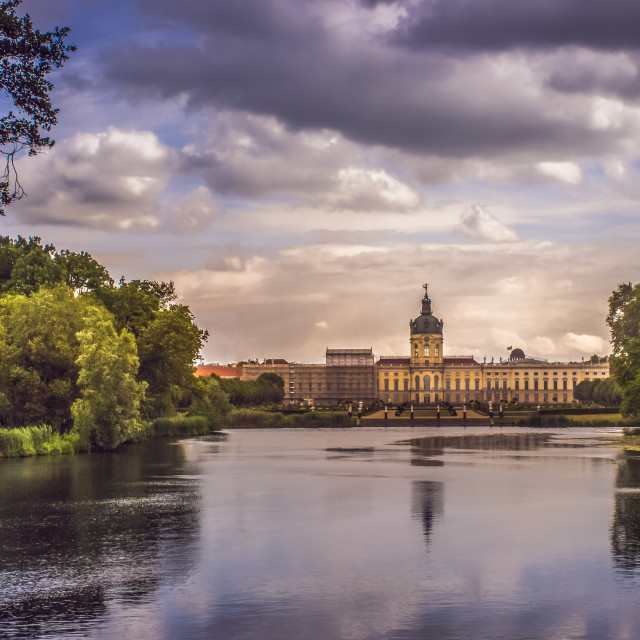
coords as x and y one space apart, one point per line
611 417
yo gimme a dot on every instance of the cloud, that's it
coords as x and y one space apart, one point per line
299 64
568 172
498 25
585 343
478 222
109 180
194 211
528 295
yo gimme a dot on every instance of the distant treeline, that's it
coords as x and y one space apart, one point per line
605 391
268 388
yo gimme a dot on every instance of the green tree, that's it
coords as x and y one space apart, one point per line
81 272
208 399
39 351
624 321
27 56
26 265
108 410
135 304
168 348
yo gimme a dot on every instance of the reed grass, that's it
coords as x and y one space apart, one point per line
37 440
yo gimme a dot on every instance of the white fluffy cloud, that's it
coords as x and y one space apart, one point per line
568 172
109 180
586 343
477 221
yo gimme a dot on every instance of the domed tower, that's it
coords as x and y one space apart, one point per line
426 336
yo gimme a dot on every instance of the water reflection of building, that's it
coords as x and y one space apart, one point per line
427 504
625 528
426 375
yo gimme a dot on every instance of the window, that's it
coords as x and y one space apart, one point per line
546 385
457 385
466 384
437 350
417 382
435 384
426 350
415 350
477 384
535 385
526 385
504 385
555 385
406 385
395 385
447 383
517 385
564 385
386 385
427 383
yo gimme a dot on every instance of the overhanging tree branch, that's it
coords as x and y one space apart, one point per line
27 56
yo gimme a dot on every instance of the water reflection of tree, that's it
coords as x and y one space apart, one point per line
427 504
76 531
625 528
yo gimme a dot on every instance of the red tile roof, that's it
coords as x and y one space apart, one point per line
224 371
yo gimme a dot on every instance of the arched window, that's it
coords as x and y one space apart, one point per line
437 350
417 382
426 350
435 381
427 382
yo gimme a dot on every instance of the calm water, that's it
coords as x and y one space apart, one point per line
369 533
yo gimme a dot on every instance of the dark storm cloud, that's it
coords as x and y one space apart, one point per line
309 79
493 25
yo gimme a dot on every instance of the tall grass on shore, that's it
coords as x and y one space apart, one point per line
182 426
37 440
558 421
256 419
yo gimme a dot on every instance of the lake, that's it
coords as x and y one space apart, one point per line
326 534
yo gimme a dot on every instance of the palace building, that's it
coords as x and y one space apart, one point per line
426 376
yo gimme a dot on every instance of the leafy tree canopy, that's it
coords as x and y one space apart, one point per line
27 56
624 321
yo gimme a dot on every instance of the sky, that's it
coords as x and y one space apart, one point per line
299 168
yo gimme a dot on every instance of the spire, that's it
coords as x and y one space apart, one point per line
426 302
